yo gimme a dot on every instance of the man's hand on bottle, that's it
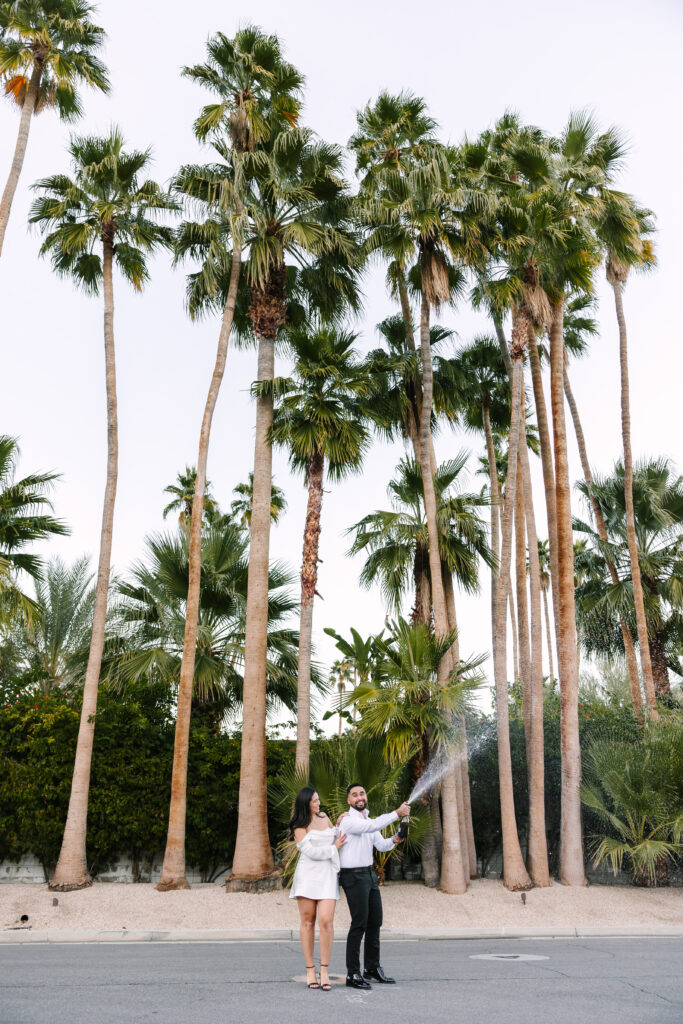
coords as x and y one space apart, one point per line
403 811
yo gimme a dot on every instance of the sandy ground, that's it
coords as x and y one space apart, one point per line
486 904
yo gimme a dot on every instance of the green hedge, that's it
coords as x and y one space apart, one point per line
130 784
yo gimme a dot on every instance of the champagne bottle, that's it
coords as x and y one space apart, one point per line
403 827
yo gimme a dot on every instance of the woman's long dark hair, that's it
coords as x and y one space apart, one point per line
302 815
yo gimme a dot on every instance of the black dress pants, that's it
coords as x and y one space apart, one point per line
365 906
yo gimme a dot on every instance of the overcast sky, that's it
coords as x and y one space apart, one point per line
470 63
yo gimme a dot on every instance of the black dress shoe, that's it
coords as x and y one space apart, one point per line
357 981
377 974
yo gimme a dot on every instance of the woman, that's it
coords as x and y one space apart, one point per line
315 885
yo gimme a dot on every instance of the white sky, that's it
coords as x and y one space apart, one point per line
470 62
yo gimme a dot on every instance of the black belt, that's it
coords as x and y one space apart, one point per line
346 871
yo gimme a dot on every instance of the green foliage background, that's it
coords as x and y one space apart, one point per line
130 785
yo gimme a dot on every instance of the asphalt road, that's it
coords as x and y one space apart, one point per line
596 981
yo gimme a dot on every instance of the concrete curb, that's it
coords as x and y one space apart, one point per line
27 935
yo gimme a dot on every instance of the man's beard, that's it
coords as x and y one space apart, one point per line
361 805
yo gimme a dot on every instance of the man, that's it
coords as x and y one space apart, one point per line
359 882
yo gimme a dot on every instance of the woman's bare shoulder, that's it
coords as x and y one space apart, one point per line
299 834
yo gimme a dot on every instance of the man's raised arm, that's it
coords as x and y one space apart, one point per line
356 825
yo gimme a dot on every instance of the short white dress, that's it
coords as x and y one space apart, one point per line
316 874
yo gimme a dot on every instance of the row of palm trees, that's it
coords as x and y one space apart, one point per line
517 218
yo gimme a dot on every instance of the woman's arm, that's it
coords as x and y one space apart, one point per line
316 851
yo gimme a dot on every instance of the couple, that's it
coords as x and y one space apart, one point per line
328 856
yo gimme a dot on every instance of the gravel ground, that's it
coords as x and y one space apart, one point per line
487 903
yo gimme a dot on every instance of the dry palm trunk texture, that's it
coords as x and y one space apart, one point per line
572 870
513 629
27 109
514 872
660 668
309 579
423 592
173 868
600 526
453 874
548 634
614 277
71 871
538 848
547 466
253 860
522 606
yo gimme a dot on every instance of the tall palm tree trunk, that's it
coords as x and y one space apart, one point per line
514 873
495 502
173 868
516 672
572 870
522 608
547 466
309 579
453 875
538 846
548 635
641 622
27 109
600 526
71 871
253 860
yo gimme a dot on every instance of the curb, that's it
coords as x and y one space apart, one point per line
27 935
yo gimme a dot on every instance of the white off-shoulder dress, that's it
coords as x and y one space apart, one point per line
316 874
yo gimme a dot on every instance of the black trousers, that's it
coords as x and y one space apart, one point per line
365 906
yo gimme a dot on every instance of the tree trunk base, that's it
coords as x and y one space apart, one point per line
54 886
175 883
452 891
267 883
517 886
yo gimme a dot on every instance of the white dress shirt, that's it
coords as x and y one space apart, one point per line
362 833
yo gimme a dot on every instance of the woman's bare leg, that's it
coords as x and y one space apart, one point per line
307 910
326 909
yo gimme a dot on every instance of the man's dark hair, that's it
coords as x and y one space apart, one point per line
353 786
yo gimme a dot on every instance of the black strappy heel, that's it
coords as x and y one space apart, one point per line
326 987
312 984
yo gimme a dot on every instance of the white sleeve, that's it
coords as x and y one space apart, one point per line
356 825
383 843
316 851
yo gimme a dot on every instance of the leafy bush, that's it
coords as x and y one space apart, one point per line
130 783
636 793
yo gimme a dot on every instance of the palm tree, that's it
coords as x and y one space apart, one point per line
635 792
396 541
258 92
603 604
240 509
297 206
416 714
104 204
577 324
47 49
623 229
23 518
482 375
53 645
148 627
183 493
420 212
322 419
